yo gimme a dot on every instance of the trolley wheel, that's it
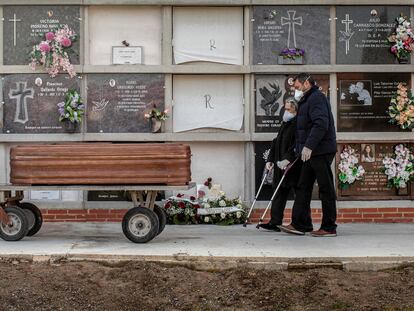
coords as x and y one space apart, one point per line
140 225
19 226
162 218
35 217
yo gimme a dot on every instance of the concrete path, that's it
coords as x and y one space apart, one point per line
358 246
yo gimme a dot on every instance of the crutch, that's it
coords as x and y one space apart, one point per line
274 193
255 199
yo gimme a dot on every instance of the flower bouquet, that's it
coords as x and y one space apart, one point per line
349 170
291 56
401 109
156 117
399 168
53 52
71 110
182 209
402 39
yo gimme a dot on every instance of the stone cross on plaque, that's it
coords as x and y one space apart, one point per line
14 20
291 20
347 34
20 94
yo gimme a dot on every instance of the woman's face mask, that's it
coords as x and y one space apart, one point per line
287 116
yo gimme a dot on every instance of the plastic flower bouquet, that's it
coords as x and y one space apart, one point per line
72 109
53 52
349 170
401 109
400 167
402 39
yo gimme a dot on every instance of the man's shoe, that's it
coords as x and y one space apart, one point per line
324 233
270 226
290 229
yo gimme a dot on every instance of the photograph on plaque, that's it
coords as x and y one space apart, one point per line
25 26
107 29
207 101
117 103
363 100
30 102
276 28
354 92
373 185
362 32
208 34
272 92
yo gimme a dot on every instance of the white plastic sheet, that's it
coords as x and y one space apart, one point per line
208 34
208 101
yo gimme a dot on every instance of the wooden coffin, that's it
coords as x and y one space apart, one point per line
90 163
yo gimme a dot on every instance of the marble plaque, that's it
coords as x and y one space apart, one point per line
25 26
362 32
374 184
279 27
117 103
30 102
363 99
272 92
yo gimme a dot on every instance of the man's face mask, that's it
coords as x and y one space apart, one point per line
299 93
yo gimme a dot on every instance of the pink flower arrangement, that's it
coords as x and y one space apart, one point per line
401 108
402 39
53 52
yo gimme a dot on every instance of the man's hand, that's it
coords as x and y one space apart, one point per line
283 164
269 165
306 154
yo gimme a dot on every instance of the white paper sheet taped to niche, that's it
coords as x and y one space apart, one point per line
208 34
207 102
139 26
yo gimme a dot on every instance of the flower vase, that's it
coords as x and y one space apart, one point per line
290 61
70 127
403 60
156 125
402 191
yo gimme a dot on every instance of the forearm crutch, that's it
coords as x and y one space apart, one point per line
255 199
274 193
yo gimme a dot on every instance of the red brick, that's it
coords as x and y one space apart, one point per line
77 211
349 215
48 217
57 211
347 210
96 211
368 210
372 215
388 209
391 215
63 217
406 209
411 215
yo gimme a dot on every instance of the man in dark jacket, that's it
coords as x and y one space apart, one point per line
316 145
282 154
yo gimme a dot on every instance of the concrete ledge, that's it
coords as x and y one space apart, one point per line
225 263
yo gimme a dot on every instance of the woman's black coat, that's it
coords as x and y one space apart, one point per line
283 149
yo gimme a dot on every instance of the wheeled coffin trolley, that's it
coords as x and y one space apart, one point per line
142 170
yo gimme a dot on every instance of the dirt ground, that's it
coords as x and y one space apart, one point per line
154 286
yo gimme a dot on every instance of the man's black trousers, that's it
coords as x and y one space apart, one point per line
317 168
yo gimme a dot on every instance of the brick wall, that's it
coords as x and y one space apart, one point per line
345 215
